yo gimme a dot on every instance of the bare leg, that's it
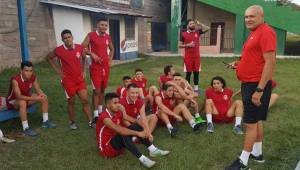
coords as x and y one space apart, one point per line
152 121
181 109
70 108
83 95
273 99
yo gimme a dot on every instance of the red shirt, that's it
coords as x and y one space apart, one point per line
260 41
99 44
103 133
188 37
163 79
222 100
132 109
70 61
141 84
169 102
122 92
24 85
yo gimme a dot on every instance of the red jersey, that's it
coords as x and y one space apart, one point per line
122 92
222 100
24 85
169 102
70 61
132 109
141 84
99 45
260 41
163 79
104 134
189 37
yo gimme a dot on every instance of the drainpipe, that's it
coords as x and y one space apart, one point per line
23 32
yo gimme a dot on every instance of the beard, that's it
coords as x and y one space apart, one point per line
192 28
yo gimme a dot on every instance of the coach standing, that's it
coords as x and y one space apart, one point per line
255 71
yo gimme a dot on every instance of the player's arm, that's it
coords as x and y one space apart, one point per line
162 107
111 50
19 96
143 119
86 44
38 89
51 60
141 93
125 115
83 61
182 94
202 28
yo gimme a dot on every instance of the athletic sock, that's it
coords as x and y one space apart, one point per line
152 148
1 134
96 113
192 123
257 149
25 124
209 118
197 115
45 117
238 121
196 88
100 108
170 127
244 157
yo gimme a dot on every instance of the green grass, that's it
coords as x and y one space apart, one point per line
64 149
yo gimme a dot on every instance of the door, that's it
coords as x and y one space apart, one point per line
214 32
114 31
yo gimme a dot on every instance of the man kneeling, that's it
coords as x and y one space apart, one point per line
113 137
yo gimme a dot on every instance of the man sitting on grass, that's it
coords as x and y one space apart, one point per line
113 137
122 90
20 97
169 71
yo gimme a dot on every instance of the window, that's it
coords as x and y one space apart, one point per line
130 28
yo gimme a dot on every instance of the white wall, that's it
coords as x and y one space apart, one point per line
132 45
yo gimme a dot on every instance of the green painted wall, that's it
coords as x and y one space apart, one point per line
175 23
281 37
239 35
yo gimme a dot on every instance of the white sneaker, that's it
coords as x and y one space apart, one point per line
159 152
147 162
6 140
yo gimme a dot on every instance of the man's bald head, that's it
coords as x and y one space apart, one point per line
254 16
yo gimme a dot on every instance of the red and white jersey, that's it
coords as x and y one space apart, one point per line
169 102
189 37
222 100
163 79
121 92
70 61
132 109
103 133
25 86
141 84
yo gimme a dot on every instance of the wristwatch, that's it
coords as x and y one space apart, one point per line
259 89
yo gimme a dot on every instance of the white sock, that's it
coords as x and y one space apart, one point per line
209 118
100 108
245 157
169 126
45 117
257 149
142 158
238 121
196 87
134 138
96 113
192 123
25 124
1 134
152 148
197 115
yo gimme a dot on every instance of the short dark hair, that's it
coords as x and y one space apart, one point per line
221 79
109 96
65 31
177 74
138 70
102 19
165 86
167 69
188 21
26 63
132 85
126 78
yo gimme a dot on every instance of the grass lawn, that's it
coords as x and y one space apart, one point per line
62 148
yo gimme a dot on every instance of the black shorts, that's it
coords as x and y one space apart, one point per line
253 113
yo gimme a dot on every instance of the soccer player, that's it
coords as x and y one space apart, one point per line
122 90
98 42
135 108
20 96
5 139
220 107
113 137
169 70
191 42
255 70
71 57
169 111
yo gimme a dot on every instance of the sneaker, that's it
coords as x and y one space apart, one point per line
95 119
173 132
92 124
259 158
48 125
159 152
199 120
237 165
197 127
210 128
29 132
147 162
73 126
238 130
6 140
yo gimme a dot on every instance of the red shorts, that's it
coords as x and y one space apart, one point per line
191 64
99 78
222 118
110 152
10 104
71 88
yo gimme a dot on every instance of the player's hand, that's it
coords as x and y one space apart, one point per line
43 95
256 98
178 118
232 65
142 134
38 98
150 137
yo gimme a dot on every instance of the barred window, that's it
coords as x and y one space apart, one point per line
130 28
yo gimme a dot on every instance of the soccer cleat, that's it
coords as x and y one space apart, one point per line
29 132
237 165
210 128
95 119
48 125
199 120
173 132
147 162
197 127
92 124
73 126
6 140
238 130
259 158
159 152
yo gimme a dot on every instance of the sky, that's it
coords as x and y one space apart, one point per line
296 1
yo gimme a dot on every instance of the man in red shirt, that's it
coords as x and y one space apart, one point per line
191 42
255 70
98 43
169 71
122 90
72 58
220 108
112 137
20 97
